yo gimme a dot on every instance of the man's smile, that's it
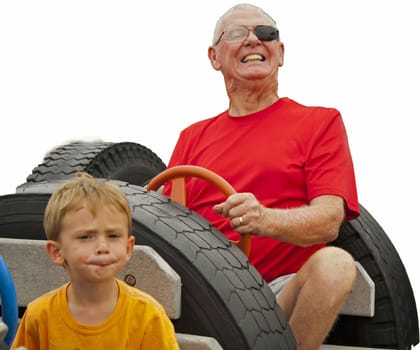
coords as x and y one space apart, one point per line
253 57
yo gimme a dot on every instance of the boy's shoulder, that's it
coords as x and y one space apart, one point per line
136 295
47 301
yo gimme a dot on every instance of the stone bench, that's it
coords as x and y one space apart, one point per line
34 274
361 301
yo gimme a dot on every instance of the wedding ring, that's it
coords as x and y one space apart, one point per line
241 221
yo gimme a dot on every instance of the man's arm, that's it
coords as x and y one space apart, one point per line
318 222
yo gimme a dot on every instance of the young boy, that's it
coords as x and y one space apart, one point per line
88 227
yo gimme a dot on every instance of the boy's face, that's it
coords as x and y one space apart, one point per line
93 247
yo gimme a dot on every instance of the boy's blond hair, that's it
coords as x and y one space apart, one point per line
84 188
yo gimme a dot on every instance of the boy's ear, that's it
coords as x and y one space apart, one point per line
54 252
130 245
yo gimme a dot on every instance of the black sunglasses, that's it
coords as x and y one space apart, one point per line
238 33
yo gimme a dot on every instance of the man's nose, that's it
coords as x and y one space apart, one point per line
251 35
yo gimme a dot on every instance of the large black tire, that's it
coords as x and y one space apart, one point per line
395 323
222 295
125 161
181 237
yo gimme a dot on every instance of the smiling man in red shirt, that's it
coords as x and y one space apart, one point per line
292 168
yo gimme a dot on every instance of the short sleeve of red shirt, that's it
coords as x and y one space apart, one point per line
329 166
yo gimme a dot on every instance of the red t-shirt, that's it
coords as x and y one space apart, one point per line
286 155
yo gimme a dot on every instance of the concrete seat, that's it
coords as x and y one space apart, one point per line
361 301
34 274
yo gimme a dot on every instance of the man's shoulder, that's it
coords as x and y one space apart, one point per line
310 114
198 126
203 122
310 108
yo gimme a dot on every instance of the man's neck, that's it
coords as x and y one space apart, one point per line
248 97
241 105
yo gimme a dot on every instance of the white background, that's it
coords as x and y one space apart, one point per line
138 71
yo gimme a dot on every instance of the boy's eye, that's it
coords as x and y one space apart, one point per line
113 235
85 236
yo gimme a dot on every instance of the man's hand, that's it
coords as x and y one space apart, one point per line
247 215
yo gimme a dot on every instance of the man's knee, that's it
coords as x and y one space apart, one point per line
334 266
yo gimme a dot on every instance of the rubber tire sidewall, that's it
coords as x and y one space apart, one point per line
395 322
223 296
124 161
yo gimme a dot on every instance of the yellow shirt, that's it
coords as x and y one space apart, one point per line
138 322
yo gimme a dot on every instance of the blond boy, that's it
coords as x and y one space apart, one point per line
88 227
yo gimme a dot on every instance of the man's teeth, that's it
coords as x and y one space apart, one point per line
253 57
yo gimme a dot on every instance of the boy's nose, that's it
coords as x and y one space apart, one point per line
102 246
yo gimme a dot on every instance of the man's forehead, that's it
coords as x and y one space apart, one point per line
246 17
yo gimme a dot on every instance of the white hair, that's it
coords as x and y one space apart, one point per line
247 7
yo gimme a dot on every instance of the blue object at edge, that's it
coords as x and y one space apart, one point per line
8 302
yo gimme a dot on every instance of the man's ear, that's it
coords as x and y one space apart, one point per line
211 53
54 252
281 48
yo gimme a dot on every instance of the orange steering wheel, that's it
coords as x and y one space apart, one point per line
178 174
